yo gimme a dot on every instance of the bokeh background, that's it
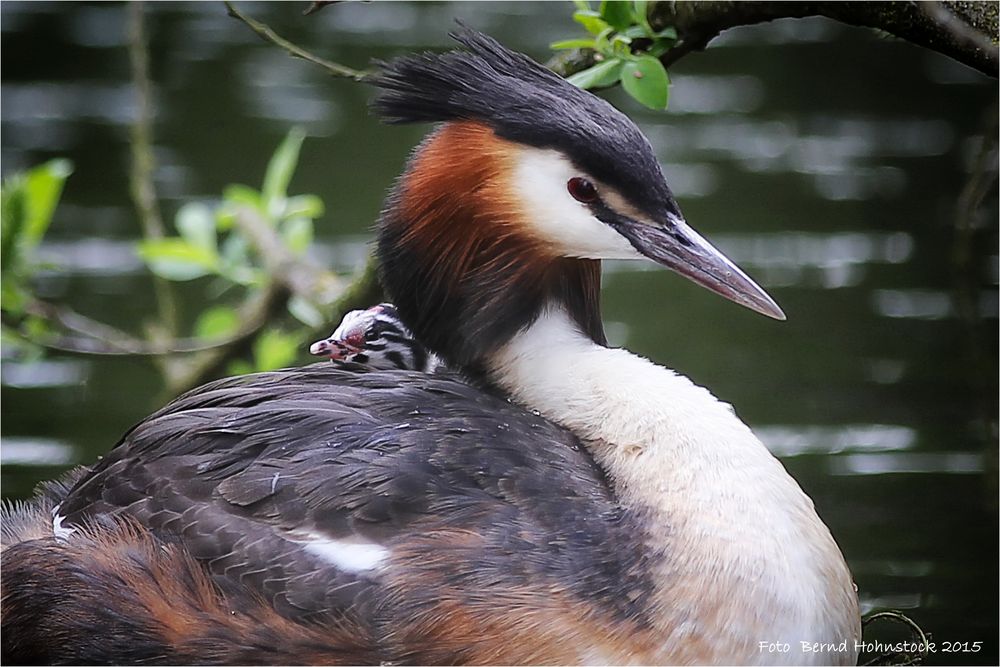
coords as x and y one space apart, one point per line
827 161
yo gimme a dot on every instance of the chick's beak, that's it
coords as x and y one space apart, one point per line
334 349
678 247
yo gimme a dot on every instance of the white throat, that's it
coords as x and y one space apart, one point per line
741 555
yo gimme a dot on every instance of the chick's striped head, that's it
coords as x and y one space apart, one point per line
378 338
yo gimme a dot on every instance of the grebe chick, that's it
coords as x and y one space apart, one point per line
378 338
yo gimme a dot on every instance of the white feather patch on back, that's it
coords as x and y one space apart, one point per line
349 555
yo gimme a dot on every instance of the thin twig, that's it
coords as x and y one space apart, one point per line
89 336
143 162
143 166
962 32
268 35
97 347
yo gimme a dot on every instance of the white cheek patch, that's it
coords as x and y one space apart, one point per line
540 178
350 555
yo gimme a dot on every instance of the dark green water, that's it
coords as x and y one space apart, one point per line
825 160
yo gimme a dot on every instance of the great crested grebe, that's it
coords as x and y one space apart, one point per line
577 504
378 338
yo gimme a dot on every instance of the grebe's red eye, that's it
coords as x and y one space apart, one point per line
582 190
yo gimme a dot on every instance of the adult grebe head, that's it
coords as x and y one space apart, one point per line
503 209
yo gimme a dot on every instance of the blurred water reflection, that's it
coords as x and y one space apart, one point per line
824 160
43 373
37 452
794 441
884 464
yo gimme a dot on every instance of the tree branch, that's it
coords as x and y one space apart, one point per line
268 35
965 31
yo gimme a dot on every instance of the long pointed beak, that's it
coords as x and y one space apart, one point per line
680 248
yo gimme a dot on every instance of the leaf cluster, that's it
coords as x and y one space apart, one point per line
28 201
211 244
213 240
627 50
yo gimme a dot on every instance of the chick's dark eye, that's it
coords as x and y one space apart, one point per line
371 335
582 190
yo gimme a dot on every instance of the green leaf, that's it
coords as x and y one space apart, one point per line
235 262
36 328
17 346
659 47
582 5
304 206
196 223
27 202
234 250
617 13
599 76
248 276
12 221
12 296
44 187
670 32
640 8
274 349
645 79
242 194
636 32
225 217
281 167
306 312
572 44
176 259
297 234
217 322
591 20
620 47
602 43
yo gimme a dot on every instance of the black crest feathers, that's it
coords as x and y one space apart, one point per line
525 102
487 81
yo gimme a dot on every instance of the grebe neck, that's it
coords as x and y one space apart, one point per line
728 530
